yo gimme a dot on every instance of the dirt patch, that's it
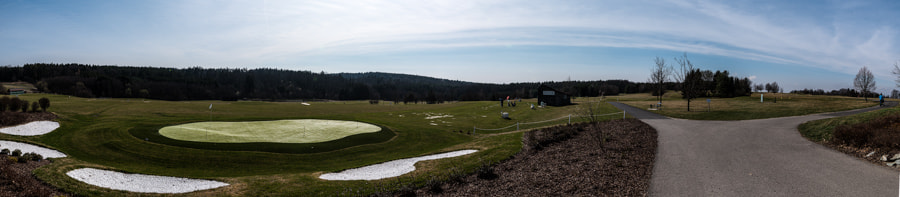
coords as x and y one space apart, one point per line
613 158
17 118
16 179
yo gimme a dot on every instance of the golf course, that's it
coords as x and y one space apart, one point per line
133 136
263 148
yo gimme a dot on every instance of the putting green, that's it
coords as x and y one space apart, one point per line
279 131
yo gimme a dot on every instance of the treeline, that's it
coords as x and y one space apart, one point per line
839 92
279 84
720 84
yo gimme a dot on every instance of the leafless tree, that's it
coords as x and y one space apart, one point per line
864 82
659 75
897 72
690 82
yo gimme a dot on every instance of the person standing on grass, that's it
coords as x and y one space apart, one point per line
881 100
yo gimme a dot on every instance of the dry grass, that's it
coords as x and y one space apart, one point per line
744 108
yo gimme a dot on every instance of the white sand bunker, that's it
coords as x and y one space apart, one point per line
141 182
28 148
31 128
388 169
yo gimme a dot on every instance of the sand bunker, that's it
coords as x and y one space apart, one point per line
388 169
31 128
28 148
140 182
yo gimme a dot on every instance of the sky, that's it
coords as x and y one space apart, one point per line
799 44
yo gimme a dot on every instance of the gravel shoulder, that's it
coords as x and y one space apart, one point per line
612 158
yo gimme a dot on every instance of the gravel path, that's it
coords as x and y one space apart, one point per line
140 182
388 169
766 157
28 148
31 128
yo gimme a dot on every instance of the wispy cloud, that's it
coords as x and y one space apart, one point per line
837 36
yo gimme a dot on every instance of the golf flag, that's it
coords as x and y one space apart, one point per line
210 106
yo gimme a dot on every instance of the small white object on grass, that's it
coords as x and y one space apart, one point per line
141 182
388 169
28 148
31 128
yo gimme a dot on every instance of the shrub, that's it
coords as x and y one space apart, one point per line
17 153
486 171
13 159
14 104
45 103
4 103
881 132
32 156
434 186
34 106
4 152
24 106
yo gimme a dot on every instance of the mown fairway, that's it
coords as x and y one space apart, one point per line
102 133
745 108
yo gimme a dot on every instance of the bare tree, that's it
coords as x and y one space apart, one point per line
864 82
896 71
659 75
689 80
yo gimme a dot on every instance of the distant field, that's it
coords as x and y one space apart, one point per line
122 135
744 108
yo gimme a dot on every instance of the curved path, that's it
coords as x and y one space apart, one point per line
766 157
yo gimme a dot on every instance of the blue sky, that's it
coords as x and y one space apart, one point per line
799 44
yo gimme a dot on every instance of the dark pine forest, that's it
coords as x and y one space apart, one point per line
280 85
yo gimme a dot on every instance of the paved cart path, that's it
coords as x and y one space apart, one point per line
766 157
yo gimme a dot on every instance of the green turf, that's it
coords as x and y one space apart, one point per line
122 135
278 131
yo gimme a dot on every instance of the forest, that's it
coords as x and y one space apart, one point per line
279 85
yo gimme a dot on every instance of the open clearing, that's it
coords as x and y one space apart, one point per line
280 131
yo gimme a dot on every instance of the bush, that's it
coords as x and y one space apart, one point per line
17 153
45 103
14 104
881 132
486 172
4 152
34 106
31 157
13 159
24 106
4 103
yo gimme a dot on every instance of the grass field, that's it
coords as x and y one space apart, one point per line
278 131
745 108
121 135
822 130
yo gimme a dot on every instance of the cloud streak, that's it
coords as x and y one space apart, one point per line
832 36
